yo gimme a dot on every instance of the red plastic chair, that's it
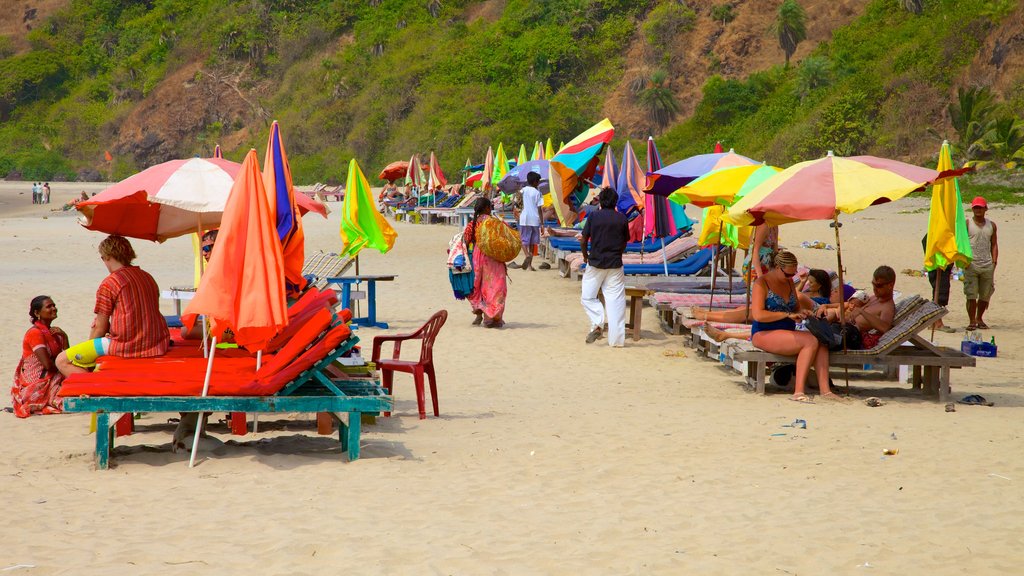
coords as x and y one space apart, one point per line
425 365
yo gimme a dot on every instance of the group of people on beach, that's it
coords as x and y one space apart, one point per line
40 192
127 323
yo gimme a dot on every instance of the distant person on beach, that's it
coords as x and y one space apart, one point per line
206 244
128 321
36 379
979 277
603 241
489 281
46 193
36 192
529 219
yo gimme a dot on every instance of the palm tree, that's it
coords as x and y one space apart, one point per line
913 6
1004 139
659 100
790 27
969 116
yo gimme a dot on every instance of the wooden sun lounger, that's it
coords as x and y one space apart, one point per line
900 346
318 389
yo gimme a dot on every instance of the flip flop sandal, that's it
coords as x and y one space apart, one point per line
803 399
972 327
975 400
982 325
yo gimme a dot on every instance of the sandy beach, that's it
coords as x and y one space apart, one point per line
551 456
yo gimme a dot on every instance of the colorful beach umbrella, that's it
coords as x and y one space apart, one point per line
521 158
435 176
217 152
488 170
414 175
170 199
821 189
362 226
516 177
500 165
538 151
947 241
723 186
610 171
277 180
549 152
573 163
665 181
394 171
658 217
630 182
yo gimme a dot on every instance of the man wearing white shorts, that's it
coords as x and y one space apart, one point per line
606 231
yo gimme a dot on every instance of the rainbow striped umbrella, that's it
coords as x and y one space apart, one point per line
573 163
538 151
667 180
723 186
821 189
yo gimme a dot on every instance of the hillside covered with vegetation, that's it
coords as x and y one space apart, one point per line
96 89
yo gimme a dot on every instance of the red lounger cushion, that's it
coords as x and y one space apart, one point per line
230 376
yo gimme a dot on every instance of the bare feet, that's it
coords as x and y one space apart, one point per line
479 317
715 334
698 313
593 336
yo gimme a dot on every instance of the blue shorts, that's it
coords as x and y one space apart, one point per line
529 235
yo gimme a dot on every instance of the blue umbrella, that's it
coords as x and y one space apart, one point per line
516 177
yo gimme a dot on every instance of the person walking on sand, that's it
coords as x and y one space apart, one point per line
979 277
606 231
46 193
529 219
489 281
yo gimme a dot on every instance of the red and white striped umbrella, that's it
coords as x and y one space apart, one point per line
169 200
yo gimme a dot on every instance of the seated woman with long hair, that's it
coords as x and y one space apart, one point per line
36 379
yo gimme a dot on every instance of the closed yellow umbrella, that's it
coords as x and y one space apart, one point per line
947 227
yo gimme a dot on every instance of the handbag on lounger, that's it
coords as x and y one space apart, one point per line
832 334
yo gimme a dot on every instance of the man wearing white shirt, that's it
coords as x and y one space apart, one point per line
529 218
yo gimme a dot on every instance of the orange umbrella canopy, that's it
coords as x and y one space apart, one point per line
243 288
394 171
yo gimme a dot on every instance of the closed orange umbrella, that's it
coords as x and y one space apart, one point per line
243 288
277 180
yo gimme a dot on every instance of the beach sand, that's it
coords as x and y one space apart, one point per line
551 456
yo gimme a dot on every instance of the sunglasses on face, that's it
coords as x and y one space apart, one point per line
207 249
788 274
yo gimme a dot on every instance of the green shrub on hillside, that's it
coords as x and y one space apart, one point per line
665 21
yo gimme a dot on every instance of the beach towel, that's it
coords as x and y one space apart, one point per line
460 268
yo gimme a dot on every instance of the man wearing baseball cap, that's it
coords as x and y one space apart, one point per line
979 282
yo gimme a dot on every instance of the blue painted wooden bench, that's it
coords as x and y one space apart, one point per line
311 391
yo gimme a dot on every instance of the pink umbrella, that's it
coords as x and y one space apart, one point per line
169 200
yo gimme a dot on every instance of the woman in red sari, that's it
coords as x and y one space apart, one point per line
489 285
37 380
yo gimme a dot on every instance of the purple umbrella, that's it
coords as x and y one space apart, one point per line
515 179
667 180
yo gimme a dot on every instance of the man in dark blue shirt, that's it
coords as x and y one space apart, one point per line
606 231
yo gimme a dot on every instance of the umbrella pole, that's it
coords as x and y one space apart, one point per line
842 305
664 256
732 264
750 280
714 268
206 389
256 415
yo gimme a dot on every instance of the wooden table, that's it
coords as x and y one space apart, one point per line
634 306
346 283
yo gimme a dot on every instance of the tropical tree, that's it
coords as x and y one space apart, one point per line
913 6
970 116
1003 140
790 27
658 99
813 73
